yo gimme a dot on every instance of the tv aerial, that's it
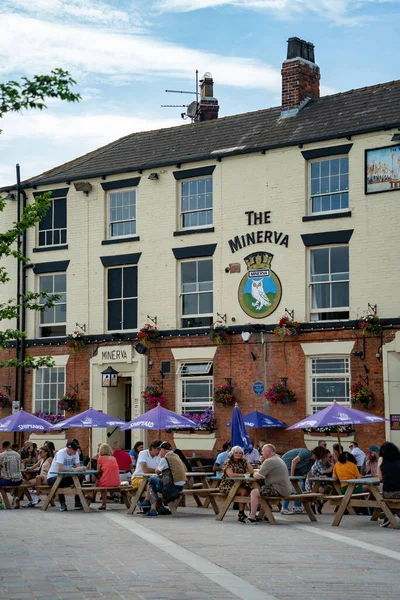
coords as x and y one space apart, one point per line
192 109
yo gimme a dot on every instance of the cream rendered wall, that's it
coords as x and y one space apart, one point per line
276 182
8 290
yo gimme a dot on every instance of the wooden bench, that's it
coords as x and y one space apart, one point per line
19 491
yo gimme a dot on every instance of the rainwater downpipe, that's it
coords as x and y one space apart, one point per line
19 272
22 193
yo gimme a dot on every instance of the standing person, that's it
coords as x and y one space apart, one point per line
298 462
66 459
168 460
358 453
276 482
389 473
10 466
236 466
136 450
221 459
108 468
124 461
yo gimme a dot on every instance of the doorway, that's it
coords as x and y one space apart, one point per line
128 415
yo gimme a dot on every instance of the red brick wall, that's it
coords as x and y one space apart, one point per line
284 358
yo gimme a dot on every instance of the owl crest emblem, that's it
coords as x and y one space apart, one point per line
260 290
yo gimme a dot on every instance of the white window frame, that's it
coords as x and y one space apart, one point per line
345 375
110 222
60 388
197 292
331 193
58 302
331 309
182 378
197 210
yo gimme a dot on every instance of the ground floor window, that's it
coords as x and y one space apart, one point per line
195 384
49 387
330 381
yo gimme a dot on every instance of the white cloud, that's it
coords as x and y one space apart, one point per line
340 12
120 58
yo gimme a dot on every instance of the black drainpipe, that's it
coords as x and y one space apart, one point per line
22 192
19 272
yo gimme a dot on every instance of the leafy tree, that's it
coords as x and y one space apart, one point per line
14 97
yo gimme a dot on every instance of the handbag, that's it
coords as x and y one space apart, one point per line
170 491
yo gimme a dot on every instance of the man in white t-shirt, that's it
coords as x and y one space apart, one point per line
66 459
147 462
358 454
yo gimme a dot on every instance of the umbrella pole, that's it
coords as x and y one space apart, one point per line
339 441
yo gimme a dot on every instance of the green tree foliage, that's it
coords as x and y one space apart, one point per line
14 97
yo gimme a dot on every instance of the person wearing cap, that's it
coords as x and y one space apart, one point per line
168 460
371 464
66 459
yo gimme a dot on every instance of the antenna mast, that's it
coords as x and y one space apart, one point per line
192 109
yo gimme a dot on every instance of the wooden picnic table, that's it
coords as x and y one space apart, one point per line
296 481
266 502
76 489
318 481
374 500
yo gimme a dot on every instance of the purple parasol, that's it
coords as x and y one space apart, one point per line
159 418
337 415
23 421
259 420
88 419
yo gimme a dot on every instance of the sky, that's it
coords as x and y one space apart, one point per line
124 54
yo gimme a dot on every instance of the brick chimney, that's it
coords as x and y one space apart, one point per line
209 107
300 76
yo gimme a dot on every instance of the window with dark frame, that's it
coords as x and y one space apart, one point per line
196 293
53 226
53 320
197 203
329 283
122 298
329 185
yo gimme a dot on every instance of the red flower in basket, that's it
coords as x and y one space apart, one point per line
148 333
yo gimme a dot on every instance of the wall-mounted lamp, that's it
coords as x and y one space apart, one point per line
153 177
245 335
11 196
396 137
140 348
83 186
109 377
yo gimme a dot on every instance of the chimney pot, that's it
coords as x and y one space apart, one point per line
209 106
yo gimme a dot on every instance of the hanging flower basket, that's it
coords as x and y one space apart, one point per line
69 403
286 328
76 341
52 418
219 333
280 394
154 395
205 421
343 429
148 333
361 394
4 400
370 325
224 394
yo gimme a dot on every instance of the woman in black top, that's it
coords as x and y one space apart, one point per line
389 473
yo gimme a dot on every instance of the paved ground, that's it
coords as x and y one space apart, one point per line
76 556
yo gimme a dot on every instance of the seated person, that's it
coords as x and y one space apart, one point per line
147 462
221 459
236 466
371 464
346 468
66 459
253 455
389 474
28 456
109 472
124 461
168 460
10 466
275 480
134 453
43 464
